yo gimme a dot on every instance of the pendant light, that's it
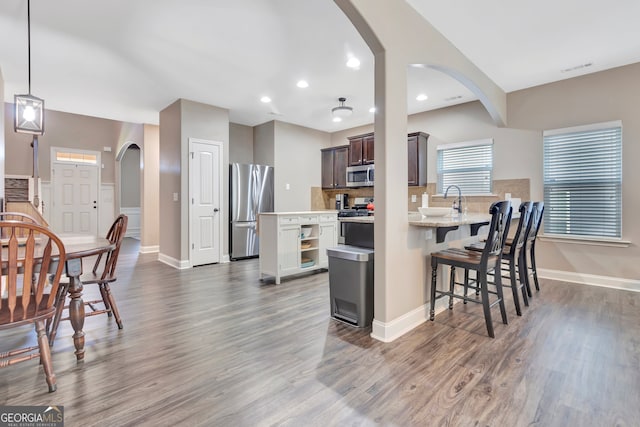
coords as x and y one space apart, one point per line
341 111
29 109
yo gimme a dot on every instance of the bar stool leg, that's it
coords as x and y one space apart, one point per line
498 284
533 265
514 285
434 280
452 284
466 285
482 282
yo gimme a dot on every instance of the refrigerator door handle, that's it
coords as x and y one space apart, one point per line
245 225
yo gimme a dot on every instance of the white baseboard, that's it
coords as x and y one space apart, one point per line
180 265
149 249
387 332
590 279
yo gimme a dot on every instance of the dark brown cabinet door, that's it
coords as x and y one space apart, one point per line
340 159
334 167
327 168
355 151
367 149
413 160
417 147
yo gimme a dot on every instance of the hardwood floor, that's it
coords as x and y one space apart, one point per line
213 346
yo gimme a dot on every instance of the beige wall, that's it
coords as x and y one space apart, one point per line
178 122
130 178
600 97
150 221
69 131
170 175
297 165
240 143
264 144
2 145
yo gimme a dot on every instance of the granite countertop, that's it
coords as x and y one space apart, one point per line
435 221
448 221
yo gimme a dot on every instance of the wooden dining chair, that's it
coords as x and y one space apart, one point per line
32 262
102 274
489 259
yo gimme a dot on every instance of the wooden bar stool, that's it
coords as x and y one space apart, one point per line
489 259
512 258
530 246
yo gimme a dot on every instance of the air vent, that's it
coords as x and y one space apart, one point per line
577 67
453 98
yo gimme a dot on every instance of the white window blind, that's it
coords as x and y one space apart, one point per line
583 181
468 165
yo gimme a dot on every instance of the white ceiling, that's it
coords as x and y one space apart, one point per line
127 60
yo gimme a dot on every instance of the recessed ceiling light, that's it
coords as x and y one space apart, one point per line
265 99
422 97
353 62
337 119
372 109
302 84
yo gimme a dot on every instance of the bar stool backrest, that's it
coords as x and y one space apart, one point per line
524 226
536 221
498 230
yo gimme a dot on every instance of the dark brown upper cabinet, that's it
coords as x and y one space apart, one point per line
334 166
361 150
417 145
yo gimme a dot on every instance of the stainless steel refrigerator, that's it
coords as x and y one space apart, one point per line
250 192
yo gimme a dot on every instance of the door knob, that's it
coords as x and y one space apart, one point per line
215 209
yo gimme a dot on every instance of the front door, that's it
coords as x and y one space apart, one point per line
75 199
204 201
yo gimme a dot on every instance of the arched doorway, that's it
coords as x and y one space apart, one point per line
128 171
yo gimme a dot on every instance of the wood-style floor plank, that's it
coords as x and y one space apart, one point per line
214 346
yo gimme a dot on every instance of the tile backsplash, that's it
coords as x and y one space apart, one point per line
519 188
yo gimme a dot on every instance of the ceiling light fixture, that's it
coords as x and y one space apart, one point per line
372 109
341 111
302 84
265 99
422 97
29 109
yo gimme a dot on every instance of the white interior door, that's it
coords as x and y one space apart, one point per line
75 198
205 201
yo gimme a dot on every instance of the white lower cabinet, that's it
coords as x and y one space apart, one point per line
284 250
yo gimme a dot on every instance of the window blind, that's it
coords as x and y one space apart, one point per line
467 165
583 182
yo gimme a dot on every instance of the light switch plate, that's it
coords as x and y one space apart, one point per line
414 198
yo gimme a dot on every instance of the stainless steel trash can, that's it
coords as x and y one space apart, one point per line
351 284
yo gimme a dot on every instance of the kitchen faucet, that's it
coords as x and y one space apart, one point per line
459 207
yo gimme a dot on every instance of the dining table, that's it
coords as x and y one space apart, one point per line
78 248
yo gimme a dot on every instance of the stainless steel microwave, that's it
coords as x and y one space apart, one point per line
360 176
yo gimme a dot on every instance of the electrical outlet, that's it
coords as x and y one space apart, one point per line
175 197
414 198
507 196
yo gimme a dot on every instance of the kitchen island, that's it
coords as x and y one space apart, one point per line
296 242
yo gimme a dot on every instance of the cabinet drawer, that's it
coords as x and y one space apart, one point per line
328 218
308 219
289 220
